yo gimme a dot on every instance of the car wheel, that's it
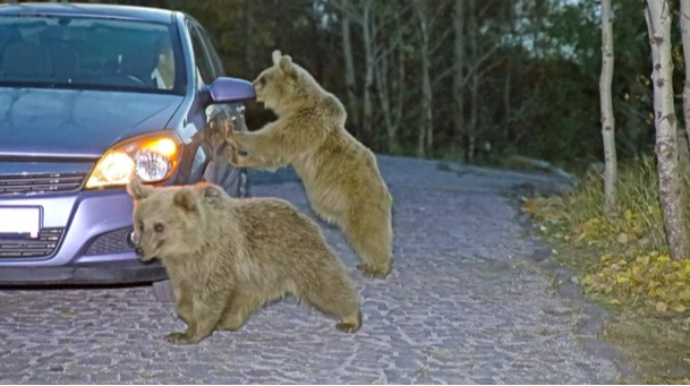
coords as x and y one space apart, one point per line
163 292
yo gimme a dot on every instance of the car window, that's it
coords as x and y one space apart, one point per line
203 64
215 61
91 53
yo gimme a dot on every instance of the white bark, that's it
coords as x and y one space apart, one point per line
670 186
390 87
350 80
685 34
474 83
458 67
370 62
425 137
607 119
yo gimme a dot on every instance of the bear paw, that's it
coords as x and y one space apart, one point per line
373 271
234 158
350 324
348 328
179 338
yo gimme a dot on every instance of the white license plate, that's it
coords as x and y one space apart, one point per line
20 220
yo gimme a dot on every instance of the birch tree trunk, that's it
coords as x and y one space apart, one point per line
474 83
425 137
370 60
390 86
670 187
507 80
350 80
458 73
607 118
685 36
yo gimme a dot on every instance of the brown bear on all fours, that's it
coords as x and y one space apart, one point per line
227 257
340 175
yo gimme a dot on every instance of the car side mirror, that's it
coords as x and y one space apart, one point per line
230 90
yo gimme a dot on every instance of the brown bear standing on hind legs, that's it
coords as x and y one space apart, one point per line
227 257
340 175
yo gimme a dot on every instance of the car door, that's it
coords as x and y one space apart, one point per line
208 68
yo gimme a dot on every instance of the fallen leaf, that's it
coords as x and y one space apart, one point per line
684 295
529 206
679 308
661 307
623 238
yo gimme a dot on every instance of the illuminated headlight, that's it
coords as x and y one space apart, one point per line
153 158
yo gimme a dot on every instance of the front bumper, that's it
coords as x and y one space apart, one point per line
92 248
91 274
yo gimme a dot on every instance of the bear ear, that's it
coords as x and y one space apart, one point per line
276 57
285 66
184 198
137 190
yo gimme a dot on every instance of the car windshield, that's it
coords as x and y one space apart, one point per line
89 53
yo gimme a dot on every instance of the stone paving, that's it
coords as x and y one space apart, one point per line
463 305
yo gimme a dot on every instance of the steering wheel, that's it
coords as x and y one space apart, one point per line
123 80
136 79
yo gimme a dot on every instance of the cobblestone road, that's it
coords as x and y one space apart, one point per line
459 307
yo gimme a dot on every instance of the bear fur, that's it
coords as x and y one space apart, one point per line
227 257
340 175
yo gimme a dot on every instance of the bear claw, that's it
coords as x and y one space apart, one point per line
347 327
371 271
178 338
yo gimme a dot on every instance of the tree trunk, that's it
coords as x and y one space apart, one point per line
459 73
607 118
507 81
474 83
685 33
383 90
249 30
350 80
425 137
370 61
670 186
685 36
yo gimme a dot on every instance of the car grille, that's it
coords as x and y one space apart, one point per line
111 243
24 247
26 184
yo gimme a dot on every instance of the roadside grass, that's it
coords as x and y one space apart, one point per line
622 263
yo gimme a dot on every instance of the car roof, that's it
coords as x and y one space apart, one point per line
88 10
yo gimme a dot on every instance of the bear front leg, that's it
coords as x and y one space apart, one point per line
270 147
184 308
250 162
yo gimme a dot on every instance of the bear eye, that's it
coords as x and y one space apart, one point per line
158 228
141 225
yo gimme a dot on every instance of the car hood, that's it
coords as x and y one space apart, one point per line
76 123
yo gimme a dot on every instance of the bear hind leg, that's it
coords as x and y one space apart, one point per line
241 308
333 295
371 237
